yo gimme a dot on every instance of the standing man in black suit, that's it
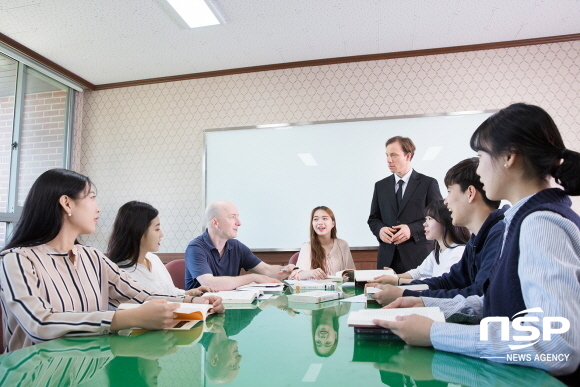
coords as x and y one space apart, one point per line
397 210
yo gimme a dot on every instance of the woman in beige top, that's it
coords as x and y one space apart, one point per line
325 254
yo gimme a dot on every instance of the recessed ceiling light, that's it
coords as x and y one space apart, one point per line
308 159
196 13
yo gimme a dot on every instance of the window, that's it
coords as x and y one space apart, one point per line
35 134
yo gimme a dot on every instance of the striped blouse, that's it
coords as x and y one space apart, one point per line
46 295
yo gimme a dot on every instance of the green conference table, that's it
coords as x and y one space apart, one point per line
269 345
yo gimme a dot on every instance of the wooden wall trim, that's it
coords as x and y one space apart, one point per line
363 259
45 61
344 59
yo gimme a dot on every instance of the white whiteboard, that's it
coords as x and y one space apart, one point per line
259 170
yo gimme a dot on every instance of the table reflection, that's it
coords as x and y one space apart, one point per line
403 365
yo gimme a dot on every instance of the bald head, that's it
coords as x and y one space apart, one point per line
222 219
216 209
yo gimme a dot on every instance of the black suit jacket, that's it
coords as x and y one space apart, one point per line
421 190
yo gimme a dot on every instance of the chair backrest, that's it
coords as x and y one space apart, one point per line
294 258
176 269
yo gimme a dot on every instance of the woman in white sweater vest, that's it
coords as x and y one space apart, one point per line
136 236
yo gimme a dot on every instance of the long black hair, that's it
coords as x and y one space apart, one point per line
530 132
130 225
459 235
42 215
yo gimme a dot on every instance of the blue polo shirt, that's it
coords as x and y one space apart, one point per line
201 257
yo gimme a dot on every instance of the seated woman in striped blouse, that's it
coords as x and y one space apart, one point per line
136 236
538 270
50 286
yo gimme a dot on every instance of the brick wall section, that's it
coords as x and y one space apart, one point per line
41 142
42 137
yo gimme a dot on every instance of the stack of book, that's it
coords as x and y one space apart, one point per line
362 320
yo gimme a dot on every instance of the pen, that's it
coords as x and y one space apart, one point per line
295 268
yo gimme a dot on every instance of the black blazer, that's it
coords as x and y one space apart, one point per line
421 190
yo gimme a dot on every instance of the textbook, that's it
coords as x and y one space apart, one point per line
237 297
417 287
315 297
370 275
369 291
187 314
312 285
364 318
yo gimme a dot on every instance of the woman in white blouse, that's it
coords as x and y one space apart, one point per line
136 236
325 254
51 286
449 240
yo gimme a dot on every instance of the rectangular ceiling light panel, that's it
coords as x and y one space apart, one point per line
195 13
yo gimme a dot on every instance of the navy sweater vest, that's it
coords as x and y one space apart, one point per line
503 292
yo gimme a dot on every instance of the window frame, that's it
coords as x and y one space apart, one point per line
12 213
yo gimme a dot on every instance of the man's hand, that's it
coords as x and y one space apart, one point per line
386 234
406 302
389 294
285 271
199 291
402 234
264 279
414 329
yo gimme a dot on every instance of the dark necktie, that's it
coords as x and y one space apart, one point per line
400 194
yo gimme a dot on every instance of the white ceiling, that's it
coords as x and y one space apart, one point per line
106 41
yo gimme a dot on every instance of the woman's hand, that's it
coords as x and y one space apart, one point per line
316 274
153 315
386 280
215 301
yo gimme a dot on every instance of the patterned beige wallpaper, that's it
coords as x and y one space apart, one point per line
146 142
